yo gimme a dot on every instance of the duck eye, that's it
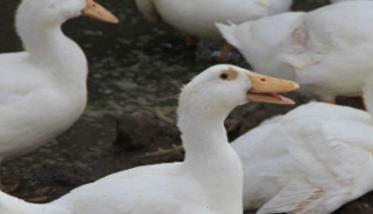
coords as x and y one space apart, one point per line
224 76
229 74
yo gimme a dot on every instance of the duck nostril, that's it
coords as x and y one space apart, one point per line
263 79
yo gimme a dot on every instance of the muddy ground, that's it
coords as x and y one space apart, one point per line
136 70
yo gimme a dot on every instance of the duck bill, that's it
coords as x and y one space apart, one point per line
266 89
96 11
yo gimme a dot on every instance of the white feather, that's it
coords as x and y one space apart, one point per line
315 150
198 18
327 55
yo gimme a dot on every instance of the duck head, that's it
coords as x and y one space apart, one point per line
219 89
56 12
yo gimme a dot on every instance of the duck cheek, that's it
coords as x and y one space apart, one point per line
243 100
69 14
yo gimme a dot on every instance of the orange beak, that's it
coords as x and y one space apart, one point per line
266 89
96 11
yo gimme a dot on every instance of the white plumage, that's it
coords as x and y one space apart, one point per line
197 18
327 55
209 181
314 160
43 89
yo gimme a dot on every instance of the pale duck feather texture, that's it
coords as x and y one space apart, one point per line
197 17
183 187
42 90
317 49
319 152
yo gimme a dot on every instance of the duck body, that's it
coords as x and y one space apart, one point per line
209 180
328 56
36 106
180 188
124 192
198 18
43 90
319 159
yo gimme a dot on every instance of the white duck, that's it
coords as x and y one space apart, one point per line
209 181
316 158
43 90
327 55
197 18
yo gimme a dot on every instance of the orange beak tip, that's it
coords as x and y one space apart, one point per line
96 11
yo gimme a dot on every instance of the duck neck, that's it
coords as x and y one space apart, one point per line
50 49
203 137
211 160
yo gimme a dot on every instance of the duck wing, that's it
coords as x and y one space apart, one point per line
333 168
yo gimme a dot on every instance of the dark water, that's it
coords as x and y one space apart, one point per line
136 69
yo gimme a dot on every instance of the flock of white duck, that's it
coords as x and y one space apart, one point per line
312 160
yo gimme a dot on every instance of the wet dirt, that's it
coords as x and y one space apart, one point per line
136 71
